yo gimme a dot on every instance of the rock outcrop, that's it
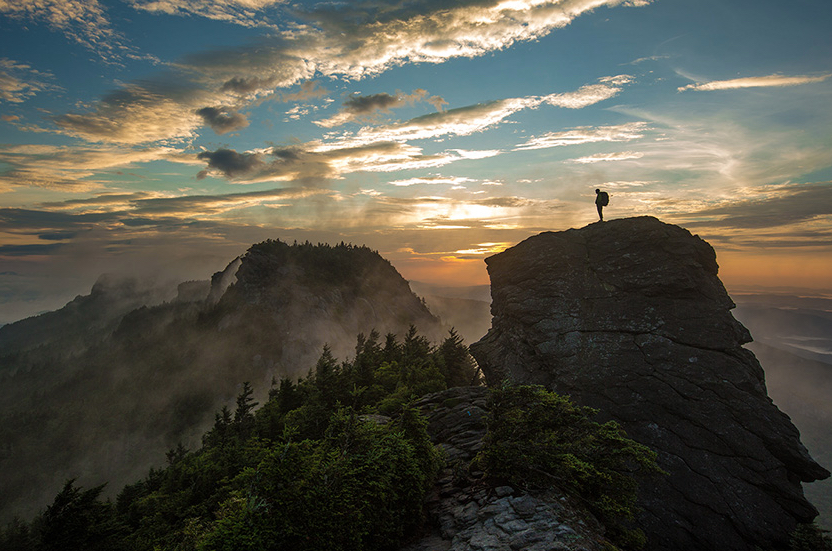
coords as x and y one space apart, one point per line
468 513
629 317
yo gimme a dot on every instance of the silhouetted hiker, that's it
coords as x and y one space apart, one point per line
602 199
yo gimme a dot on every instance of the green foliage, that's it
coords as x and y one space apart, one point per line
809 537
79 520
539 439
302 472
359 488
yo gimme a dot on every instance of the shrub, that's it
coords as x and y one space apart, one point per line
539 440
360 488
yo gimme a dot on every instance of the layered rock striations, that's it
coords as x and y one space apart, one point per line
629 317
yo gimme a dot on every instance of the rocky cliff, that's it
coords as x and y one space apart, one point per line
629 317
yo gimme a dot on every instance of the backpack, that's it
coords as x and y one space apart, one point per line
603 199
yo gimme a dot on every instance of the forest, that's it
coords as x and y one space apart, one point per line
307 470
342 460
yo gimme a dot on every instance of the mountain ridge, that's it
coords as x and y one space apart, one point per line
144 375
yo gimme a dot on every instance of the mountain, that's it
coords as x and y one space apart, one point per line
630 318
102 388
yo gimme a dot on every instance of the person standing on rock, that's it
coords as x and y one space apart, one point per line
602 199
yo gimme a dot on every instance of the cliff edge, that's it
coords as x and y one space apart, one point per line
629 317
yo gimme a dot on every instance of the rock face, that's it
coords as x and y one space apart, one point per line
629 317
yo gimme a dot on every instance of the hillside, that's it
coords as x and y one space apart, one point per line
99 390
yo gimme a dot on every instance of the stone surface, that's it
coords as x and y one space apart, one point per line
467 513
629 317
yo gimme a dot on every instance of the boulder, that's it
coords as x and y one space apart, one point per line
629 317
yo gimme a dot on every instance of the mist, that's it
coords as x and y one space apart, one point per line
100 389
793 342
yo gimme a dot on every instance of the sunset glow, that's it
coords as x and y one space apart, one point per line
165 137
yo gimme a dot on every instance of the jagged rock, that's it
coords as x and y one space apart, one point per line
469 514
629 317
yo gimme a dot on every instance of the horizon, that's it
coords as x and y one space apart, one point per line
167 137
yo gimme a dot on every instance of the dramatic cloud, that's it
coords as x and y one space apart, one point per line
586 134
336 49
755 82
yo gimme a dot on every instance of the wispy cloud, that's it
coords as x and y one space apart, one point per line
312 163
606 157
433 180
586 134
18 81
589 94
771 206
83 21
75 167
358 107
249 13
755 82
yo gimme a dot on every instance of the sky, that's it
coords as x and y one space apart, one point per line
163 137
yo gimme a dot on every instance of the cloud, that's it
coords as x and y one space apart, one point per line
384 148
350 48
360 107
313 163
586 134
589 94
74 167
19 81
461 121
222 120
152 111
82 21
310 89
770 206
433 180
248 13
606 157
755 82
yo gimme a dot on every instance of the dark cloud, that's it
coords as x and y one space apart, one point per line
29 250
245 86
222 120
58 235
787 205
41 221
230 163
306 166
360 105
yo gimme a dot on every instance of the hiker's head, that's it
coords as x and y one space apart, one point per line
597 191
